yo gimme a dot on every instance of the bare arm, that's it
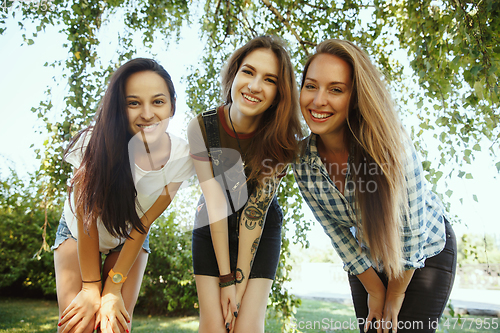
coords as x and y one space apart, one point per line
217 214
112 306
376 295
396 289
251 225
87 302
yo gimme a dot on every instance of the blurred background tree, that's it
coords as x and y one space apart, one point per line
451 87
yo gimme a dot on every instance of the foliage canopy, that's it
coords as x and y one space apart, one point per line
452 47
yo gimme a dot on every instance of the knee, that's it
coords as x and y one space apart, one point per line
255 326
209 325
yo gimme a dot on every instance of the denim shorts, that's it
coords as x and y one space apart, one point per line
63 233
267 255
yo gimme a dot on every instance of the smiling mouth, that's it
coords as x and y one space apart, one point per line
148 128
250 98
317 115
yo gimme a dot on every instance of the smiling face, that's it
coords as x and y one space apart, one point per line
254 87
326 93
148 105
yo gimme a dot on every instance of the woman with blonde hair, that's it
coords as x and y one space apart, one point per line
240 151
363 180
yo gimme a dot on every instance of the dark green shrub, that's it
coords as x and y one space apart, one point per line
168 286
26 269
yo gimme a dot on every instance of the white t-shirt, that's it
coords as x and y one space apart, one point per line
149 185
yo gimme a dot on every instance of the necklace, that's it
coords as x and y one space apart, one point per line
147 150
237 138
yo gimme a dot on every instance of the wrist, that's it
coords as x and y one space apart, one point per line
227 280
92 287
110 287
116 277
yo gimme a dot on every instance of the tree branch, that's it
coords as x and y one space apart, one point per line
288 25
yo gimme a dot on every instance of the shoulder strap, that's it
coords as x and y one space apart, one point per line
214 148
212 131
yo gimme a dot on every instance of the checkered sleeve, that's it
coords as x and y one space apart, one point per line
423 233
317 192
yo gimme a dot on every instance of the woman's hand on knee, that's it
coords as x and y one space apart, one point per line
393 303
82 309
376 302
113 315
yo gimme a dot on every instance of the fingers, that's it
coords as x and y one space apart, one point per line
234 309
66 315
394 325
368 323
115 324
229 321
224 303
124 320
391 322
233 322
68 321
97 322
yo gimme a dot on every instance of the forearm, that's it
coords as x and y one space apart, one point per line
251 225
88 253
400 284
133 246
372 282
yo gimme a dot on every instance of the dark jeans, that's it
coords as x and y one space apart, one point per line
426 296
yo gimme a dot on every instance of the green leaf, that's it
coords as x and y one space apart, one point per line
477 147
474 197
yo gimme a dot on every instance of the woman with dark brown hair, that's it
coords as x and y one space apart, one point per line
363 180
240 151
127 170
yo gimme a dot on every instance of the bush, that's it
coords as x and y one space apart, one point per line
168 286
25 268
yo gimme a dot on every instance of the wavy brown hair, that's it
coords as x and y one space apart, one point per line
376 139
279 129
103 182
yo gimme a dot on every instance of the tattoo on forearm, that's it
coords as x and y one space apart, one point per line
255 244
255 214
253 250
239 275
252 215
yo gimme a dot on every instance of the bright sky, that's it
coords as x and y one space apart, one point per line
24 81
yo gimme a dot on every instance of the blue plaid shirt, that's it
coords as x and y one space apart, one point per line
423 235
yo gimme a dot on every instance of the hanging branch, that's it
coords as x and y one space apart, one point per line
288 25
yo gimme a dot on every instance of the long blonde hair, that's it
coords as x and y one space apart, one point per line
376 138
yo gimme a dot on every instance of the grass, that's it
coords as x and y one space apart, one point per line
40 316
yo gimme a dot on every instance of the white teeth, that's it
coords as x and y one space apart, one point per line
148 126
250 98
320 115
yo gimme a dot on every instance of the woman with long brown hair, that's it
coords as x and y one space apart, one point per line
127 170
240 150
363 180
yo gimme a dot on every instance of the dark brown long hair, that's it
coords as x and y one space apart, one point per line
104 183
376 138
279 129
